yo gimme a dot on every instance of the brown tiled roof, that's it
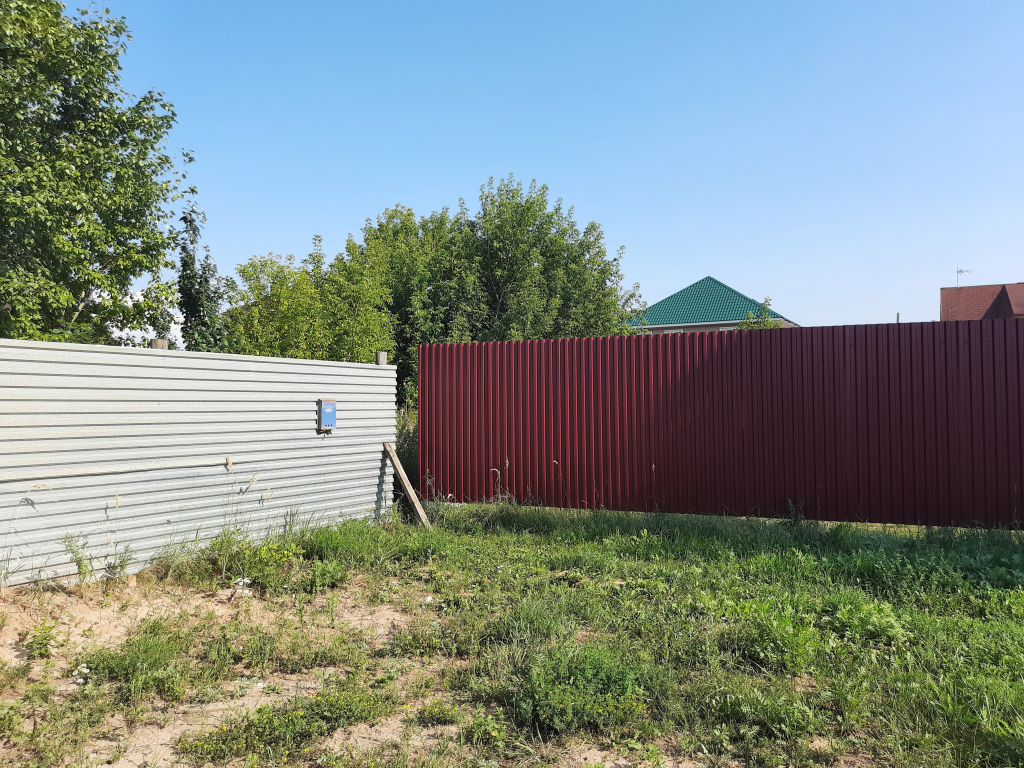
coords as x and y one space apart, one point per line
982 302
1015 292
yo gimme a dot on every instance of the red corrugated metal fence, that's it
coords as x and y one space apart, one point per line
910 423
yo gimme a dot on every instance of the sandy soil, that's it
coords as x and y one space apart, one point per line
103 617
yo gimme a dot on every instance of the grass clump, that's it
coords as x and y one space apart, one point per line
295 652
274 566
58 727
486 731
438 712
155 660
275 732
572 687
174 659
12 674
394 755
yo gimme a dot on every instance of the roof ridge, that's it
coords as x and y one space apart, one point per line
707 300
742 295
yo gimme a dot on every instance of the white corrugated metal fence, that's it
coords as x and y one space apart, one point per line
155 448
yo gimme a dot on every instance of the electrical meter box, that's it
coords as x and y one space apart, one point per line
326 413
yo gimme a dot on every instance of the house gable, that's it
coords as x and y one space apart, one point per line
982 302
703 305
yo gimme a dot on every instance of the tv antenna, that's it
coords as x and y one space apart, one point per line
962 272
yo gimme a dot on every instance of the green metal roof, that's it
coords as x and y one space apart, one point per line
706 301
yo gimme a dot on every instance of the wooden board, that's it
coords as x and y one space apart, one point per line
406 485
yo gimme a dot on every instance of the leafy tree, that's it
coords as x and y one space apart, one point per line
84 183
201 290
432 289
310 311
540 276
761 320
520 268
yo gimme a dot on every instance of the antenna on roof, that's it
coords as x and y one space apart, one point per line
962 272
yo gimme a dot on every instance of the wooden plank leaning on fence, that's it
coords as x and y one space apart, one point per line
410 492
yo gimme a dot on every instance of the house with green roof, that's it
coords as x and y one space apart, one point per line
707 305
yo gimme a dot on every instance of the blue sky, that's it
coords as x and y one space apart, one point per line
842 157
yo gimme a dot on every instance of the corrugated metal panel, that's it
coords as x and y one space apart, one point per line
918 423
129 446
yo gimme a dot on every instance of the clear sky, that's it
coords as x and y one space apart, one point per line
842 157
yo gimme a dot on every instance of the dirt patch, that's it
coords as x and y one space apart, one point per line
858 761
92 616
152 744
587 756
105 615
396 729
805 684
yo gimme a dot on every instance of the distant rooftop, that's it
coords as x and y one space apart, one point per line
706 301
982 302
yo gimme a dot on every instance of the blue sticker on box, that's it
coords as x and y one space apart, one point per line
326 414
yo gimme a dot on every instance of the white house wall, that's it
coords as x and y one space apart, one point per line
156 448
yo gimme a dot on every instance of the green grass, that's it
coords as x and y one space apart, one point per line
438 713
735 639
283 731
745 636
176 659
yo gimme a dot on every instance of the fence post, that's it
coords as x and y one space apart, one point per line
382 358
158 344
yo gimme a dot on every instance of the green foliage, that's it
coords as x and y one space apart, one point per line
172 660
59 727
569 687
76 546
761 320
201 291
10 720
520 268
438 712
421 638
41 639
294 653
153 661
315 311
745 639
273 733
12 673
389 755
407 448
486 730
84 186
